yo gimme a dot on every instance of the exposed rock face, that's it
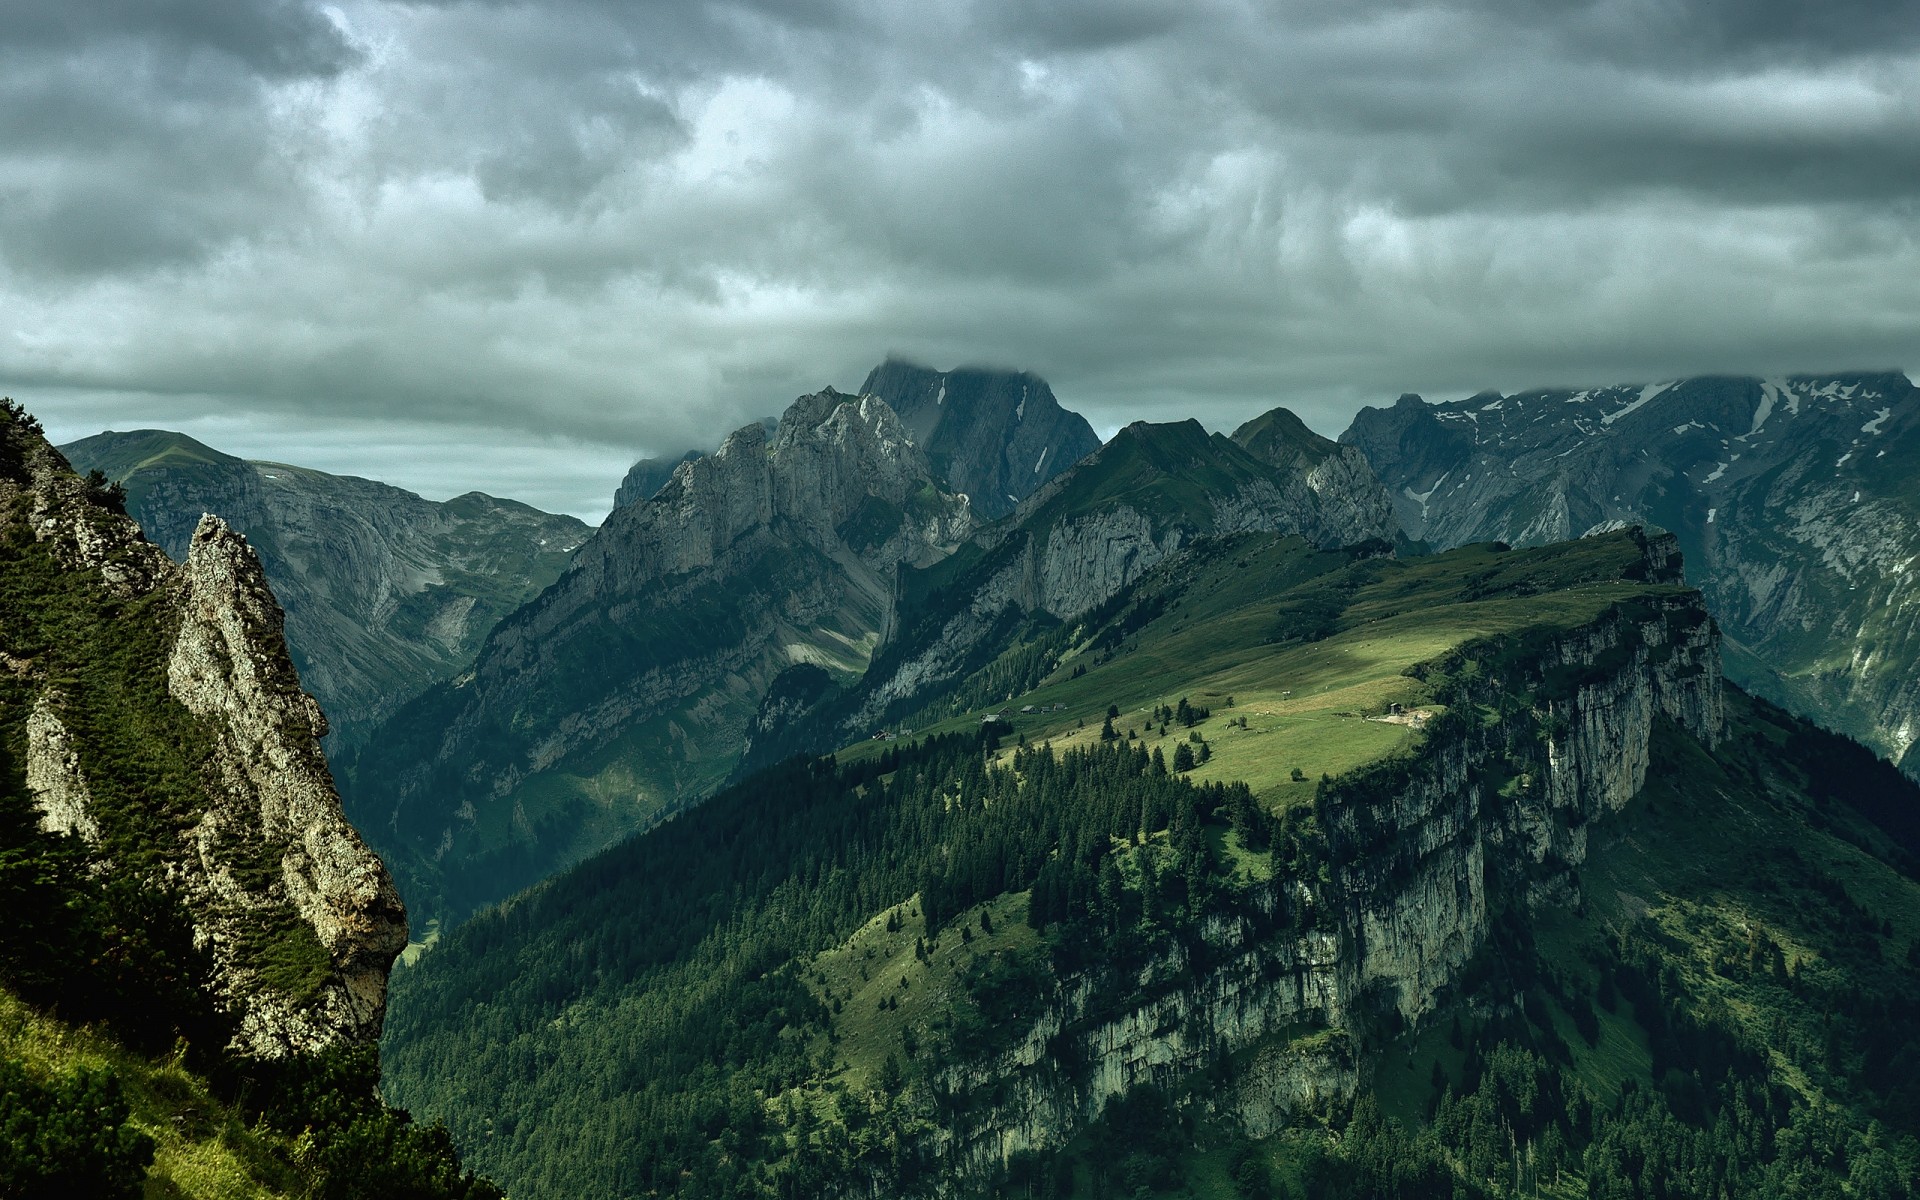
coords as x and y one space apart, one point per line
385 593
229 668
1404 908
646 477
1792 498
1353 506
629 685
54 778
994 435
262 857
1081 539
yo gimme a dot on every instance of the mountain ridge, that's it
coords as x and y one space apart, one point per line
385 592
1789 496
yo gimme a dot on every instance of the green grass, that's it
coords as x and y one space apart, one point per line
867 970
1305 703
201 1148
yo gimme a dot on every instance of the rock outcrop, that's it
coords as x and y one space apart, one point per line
629 685
385 593
1791 497
234 812
1314 970
995 436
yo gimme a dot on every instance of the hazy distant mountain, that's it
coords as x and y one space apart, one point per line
995 435
385 593
1794 500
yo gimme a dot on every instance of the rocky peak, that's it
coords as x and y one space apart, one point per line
636 675
994 435
300 918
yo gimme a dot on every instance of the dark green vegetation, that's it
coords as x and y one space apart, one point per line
116 1076
689 1021
775 994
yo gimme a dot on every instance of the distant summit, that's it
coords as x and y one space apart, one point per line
995 435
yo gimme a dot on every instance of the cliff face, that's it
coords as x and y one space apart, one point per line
1791 497
1078 541
1300 983
120 660
385 593
630 683
995 436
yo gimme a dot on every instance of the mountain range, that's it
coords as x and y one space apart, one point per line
385 593
1162 817
1793 499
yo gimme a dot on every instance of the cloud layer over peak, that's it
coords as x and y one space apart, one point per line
608 228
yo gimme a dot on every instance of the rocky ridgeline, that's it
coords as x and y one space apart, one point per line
778 549
265 862
1791 497
1130 506
1322 967
385 593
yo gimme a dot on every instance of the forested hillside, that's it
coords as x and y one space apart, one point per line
1195 916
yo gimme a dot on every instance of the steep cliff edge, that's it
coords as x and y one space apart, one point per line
1544 735
385 593
161 723
628 685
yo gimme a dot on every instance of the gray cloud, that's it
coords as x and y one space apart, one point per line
469 237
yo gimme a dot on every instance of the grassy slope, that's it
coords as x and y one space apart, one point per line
1305 703
201 1147
1302 702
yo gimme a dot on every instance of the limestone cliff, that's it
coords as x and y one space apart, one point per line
1312 970
629 685
161 721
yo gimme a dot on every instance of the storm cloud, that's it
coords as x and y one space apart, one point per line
513 246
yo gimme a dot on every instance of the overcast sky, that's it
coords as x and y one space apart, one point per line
513 246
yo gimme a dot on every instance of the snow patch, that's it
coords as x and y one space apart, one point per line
1038 462
1879 419
1770 393
1421 498
941 396
1646 393
1710 514
1842 460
